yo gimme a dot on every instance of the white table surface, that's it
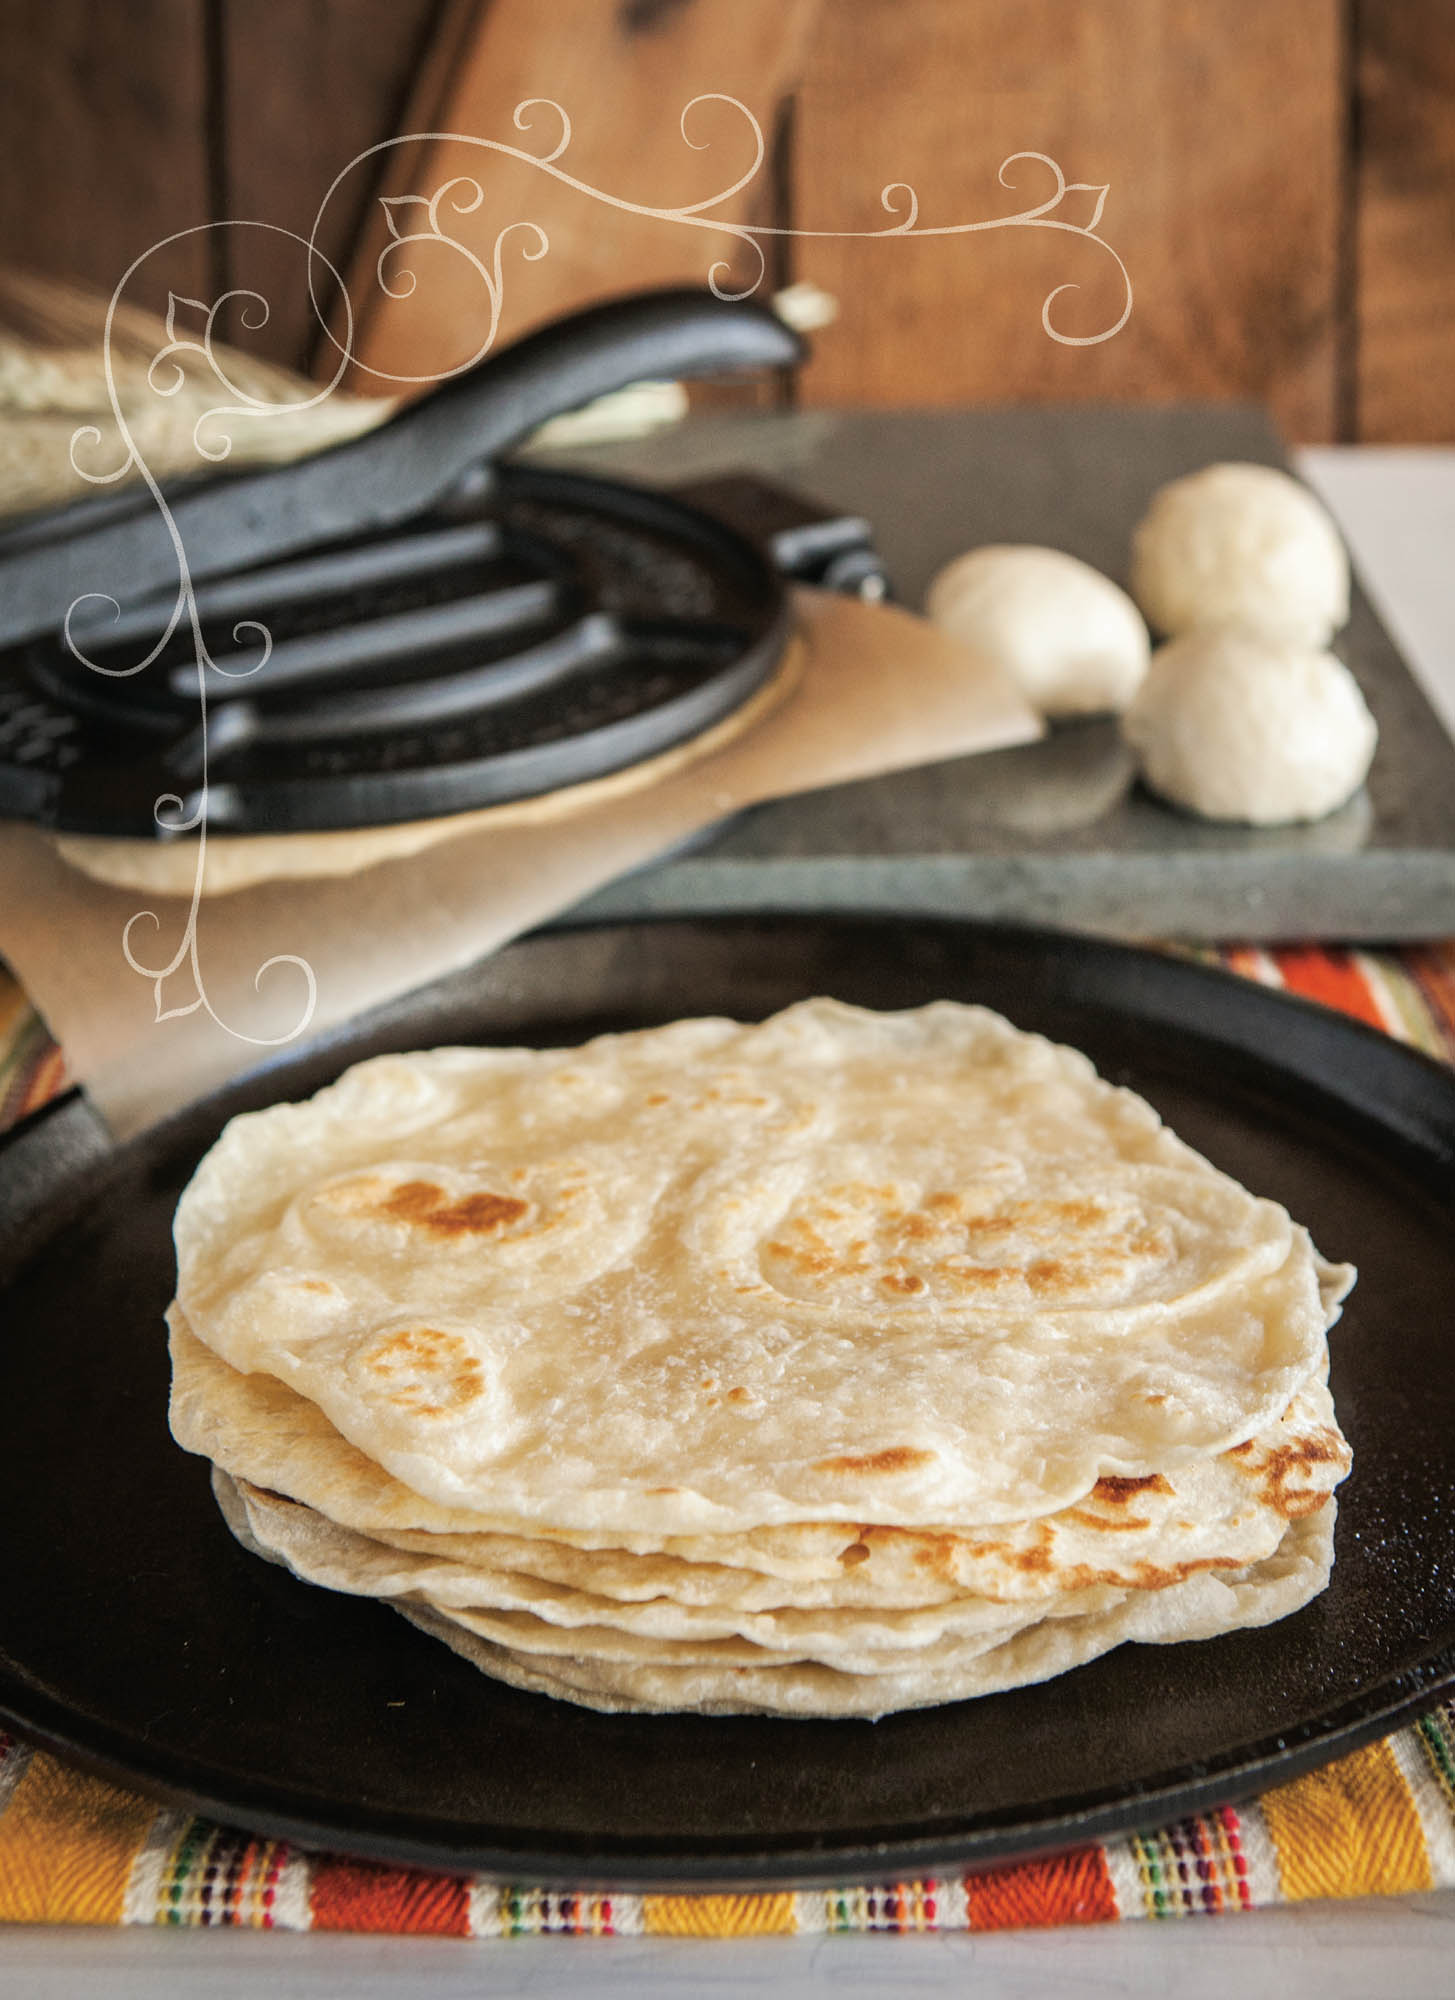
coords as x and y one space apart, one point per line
1396 505
1397 508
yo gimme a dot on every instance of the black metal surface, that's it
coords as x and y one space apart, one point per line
549 630
134 1631
831 551
440 444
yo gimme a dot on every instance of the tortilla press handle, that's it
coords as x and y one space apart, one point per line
655 337
408 464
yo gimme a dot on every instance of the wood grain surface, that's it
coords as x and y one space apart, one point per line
1281 180
1218 131
305 87
103 143
1405 209
624 74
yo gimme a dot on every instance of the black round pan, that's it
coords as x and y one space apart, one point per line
135 1633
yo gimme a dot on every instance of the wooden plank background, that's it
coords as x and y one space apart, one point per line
298 101
1282 178
1218 130
1404 210
624 75
103 117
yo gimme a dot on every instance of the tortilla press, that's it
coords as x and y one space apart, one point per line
405 626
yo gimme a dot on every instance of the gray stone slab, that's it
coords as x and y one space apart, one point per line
1056 832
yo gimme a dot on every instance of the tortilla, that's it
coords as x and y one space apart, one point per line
840 1364
1225 1511
1204 1607
906 1268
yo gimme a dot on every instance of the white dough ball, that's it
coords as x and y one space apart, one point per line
1236 726
1241 545
1073 642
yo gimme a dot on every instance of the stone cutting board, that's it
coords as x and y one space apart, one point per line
1057 832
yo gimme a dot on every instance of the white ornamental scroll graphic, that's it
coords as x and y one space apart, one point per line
413 220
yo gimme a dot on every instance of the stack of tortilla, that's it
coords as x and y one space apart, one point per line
841 1364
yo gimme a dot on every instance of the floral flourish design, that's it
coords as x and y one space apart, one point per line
169 810
412 220
463 195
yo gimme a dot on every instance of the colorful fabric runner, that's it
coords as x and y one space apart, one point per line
74 1849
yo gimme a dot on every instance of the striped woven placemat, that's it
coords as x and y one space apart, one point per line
74 1849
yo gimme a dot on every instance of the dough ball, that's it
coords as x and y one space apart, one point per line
1241 545
1236 726
1072 641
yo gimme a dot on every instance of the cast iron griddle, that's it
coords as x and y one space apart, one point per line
134 1631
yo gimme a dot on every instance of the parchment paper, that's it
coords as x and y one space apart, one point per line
880 690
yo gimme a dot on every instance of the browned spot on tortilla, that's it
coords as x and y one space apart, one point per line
980 1277
1139 1576
1158 1576
942 1552
947 1555
936 1553
903 1281
1063 1214
1048 1274
897 1458
427 1371
1241 1450
729 1090
804 1260
428 1207
659 1097
950 1240
1281 1486
739 1395
1078 1214
853 1555
314 1285
1100 1521
1033 1561
1116 1490
661 1489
